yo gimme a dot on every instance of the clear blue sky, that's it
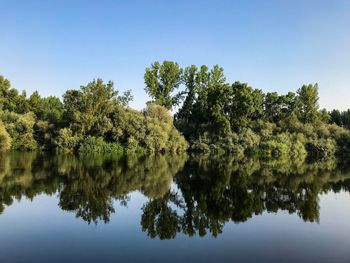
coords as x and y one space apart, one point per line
52 46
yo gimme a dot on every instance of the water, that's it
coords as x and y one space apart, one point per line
172 209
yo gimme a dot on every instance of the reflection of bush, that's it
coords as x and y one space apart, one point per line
89 185
216 190
211 190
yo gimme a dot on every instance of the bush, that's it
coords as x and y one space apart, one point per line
133 146
249 140
5 139
151 129
92 145
159 112
43 134
20 129
66 141
283 145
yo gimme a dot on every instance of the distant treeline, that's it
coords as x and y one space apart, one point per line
212 116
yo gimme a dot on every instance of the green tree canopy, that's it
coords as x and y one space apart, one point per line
161 80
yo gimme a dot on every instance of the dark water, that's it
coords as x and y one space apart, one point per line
172 209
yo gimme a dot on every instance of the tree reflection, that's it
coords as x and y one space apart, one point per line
159 219
208 191
88 186
213 191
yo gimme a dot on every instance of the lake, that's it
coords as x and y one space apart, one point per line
61 208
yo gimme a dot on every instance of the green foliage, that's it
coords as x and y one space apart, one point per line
66 141
10 99
308 103
340 118
20 128
161 80
44 134
151 129
87 110
93 145
5 139
126 98
219 117
46 109
246 105
215 117
283 146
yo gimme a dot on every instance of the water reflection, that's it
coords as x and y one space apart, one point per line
208 192
86 186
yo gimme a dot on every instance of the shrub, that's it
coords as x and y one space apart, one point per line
66 141
20 129
159 112
151 129
92 145
283 145
43 134
248 139
5 139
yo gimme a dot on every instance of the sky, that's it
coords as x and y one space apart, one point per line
273 45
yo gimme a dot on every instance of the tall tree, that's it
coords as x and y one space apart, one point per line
308 103
189 78
161 80
247 104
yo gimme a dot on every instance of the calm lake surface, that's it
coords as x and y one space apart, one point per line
172 209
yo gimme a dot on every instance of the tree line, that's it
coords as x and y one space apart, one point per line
92 119
217 116
212 115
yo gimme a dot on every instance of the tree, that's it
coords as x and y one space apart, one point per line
246 105
161 80
47 109
308 103
88 109
272 106
20 128
10 99
190 81
336 117
125 98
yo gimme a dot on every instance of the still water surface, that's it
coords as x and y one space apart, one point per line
172 209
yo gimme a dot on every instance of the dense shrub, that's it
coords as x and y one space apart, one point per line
20 128
44 133
66 141
151 129
283 145
5 139
93 145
